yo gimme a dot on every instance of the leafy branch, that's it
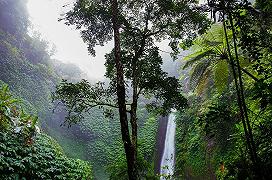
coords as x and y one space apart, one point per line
81 97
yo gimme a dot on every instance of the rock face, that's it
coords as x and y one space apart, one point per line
168 158
160 140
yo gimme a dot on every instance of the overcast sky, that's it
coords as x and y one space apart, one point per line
44 16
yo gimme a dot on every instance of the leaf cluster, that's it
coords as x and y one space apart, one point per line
25 153
164 19
82 96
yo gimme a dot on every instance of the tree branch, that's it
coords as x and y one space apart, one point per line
140 91
249 74
95 104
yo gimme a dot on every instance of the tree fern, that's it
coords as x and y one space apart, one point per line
198 71
220 74
193 58
208 60
204 81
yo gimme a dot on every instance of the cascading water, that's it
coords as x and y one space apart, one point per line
168 158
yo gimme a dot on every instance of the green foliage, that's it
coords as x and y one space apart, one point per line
154 84
44 159
140 56
82 96
190 153
218 123
31 82
31 75
210 135
25 153
104 147
25 63
98 139
26 67
94 18
254 29
210 138
5 103
221 76
147 136
209 60
118 169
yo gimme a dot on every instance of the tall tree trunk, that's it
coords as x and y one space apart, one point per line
240 97
135 94
238 91
133 118
133 121
121 94
253 146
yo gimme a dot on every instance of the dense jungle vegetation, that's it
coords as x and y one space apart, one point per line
30 72
57 123
225 132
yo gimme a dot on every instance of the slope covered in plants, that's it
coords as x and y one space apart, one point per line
27 153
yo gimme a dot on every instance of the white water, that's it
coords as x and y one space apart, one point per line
168 158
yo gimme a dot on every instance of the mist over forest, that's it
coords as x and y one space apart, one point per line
132 89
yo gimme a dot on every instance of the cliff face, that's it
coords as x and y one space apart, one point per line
160 140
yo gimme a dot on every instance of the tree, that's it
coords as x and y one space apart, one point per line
210 60
140 24
247 34
255 40
240 17
121 95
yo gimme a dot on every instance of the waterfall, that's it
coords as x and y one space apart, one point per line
168 158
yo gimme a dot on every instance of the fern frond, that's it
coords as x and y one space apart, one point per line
198 71
221 75
197 58
202 84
